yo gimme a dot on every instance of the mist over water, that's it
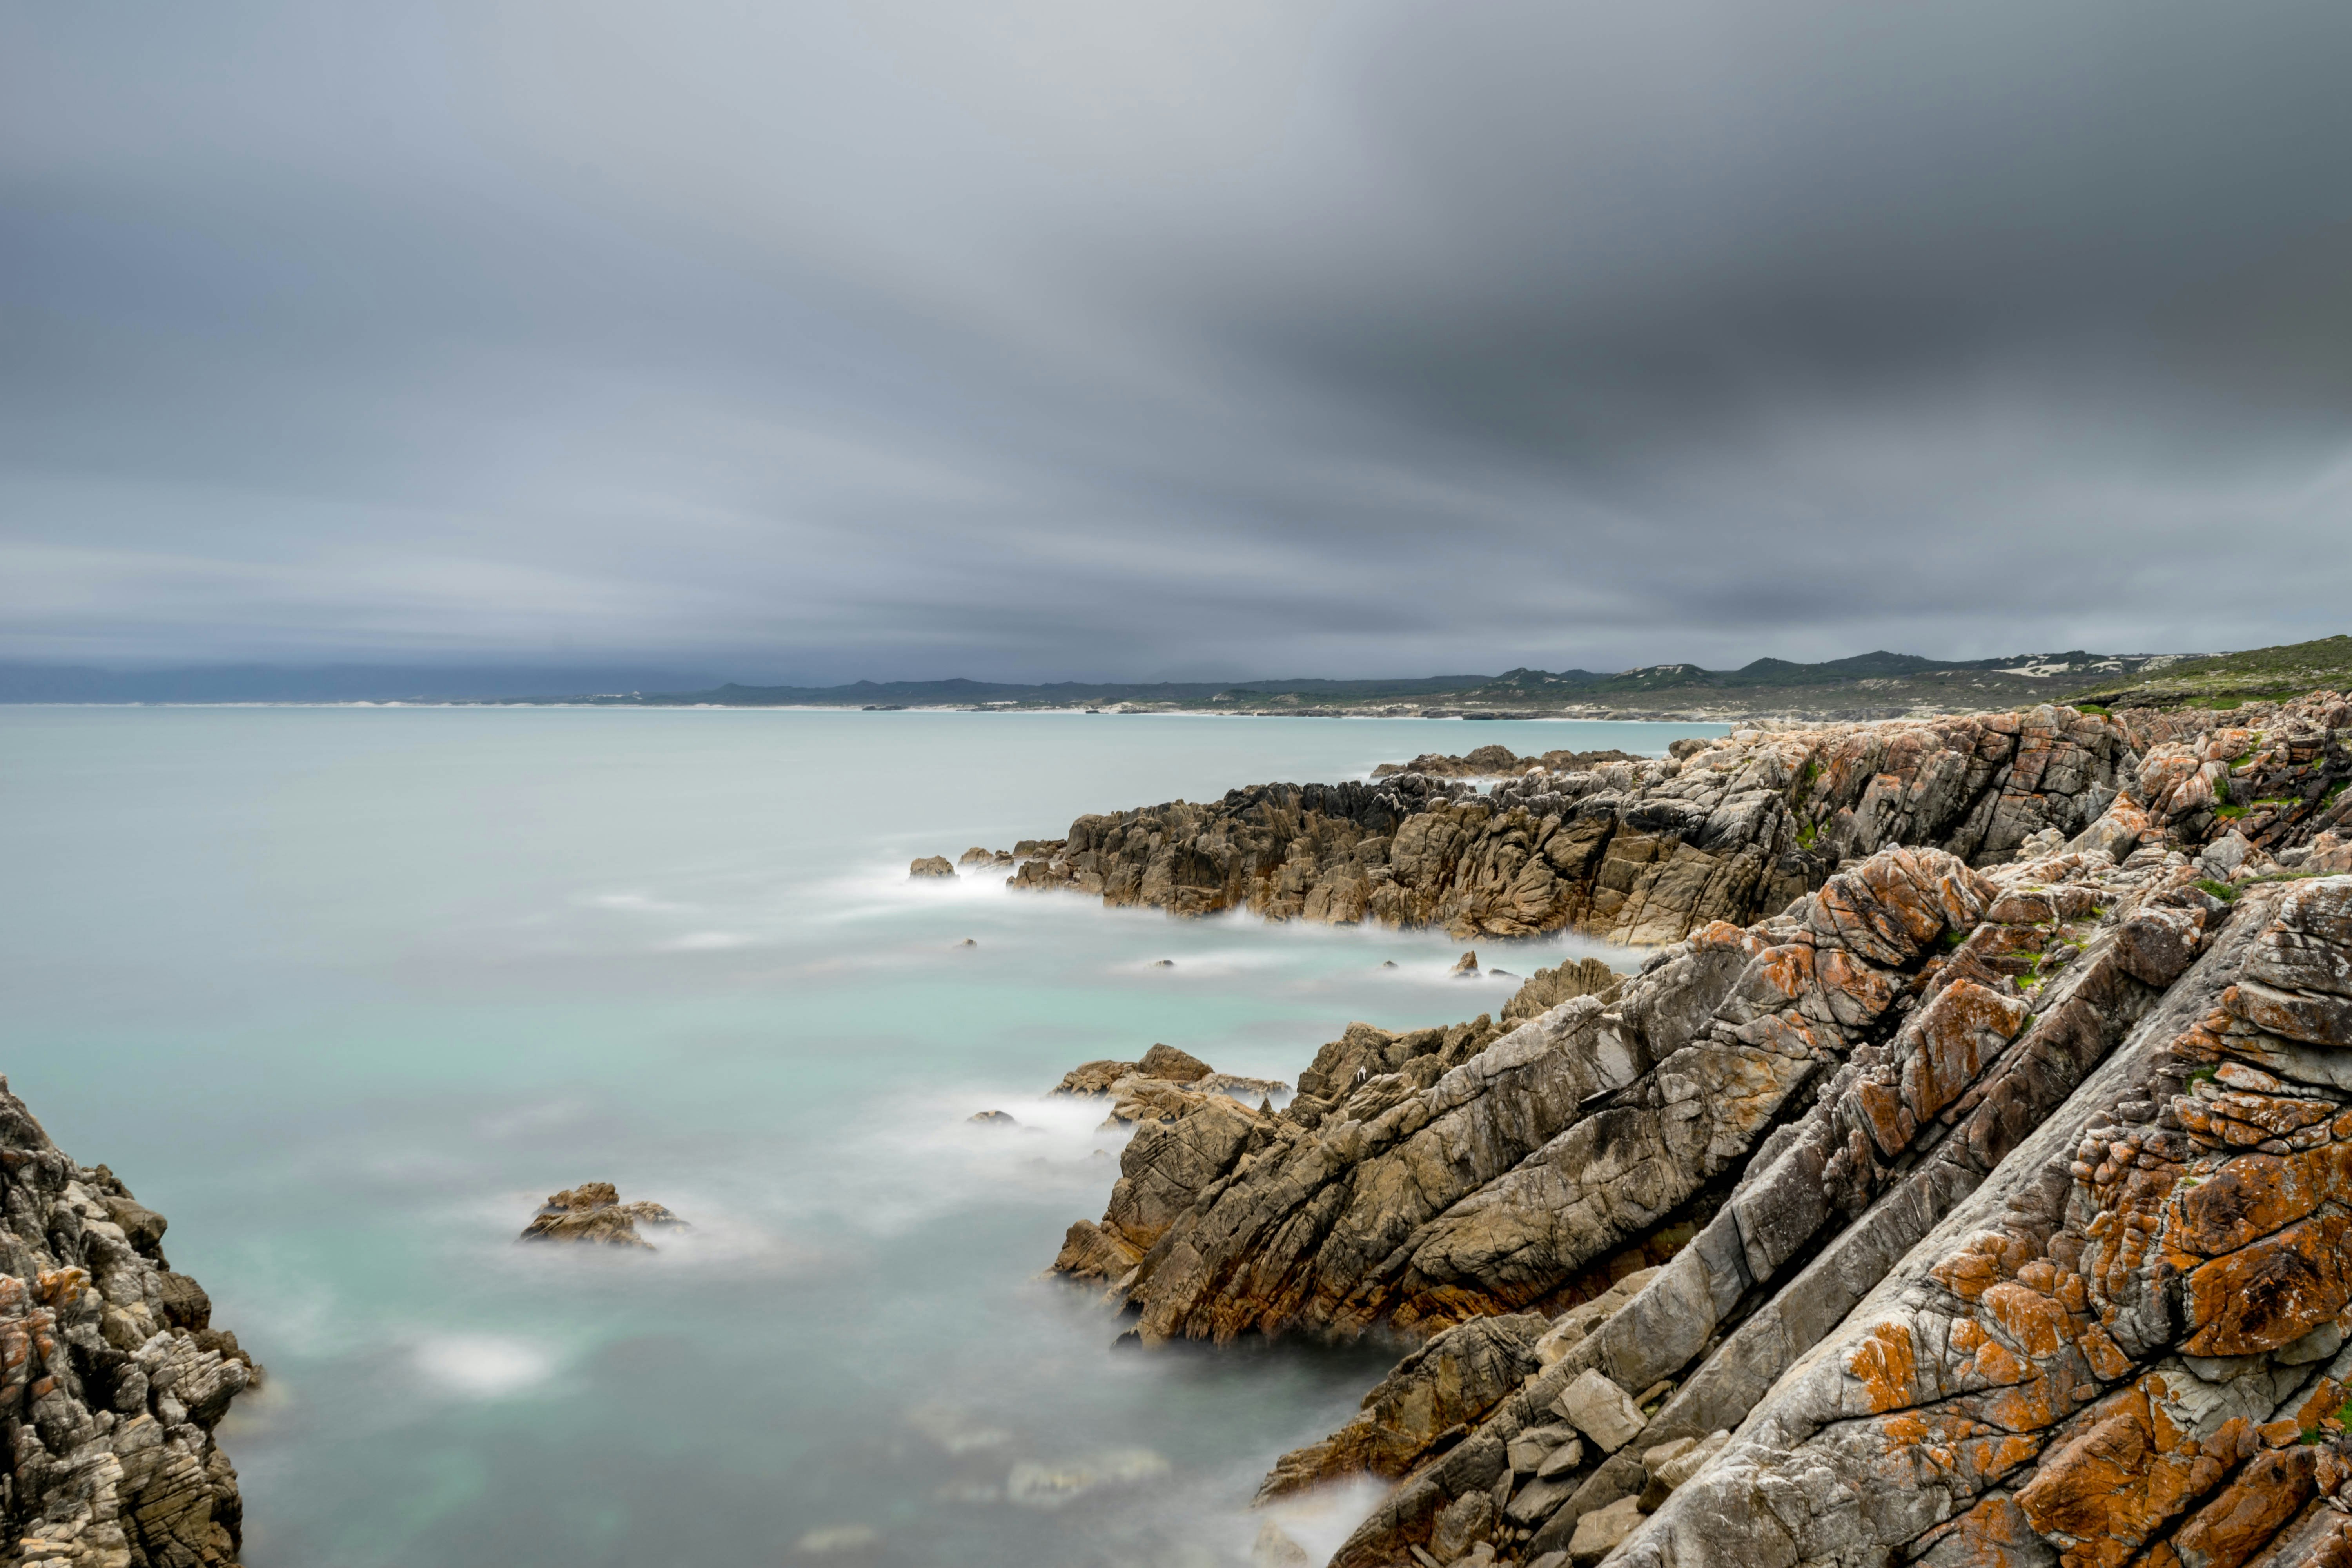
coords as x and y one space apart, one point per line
345 992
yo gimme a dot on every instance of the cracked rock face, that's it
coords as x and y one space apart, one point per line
111 1375
1650 852
1972 1209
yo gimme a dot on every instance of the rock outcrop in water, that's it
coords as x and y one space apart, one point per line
111 1375
1493 762
1651 852
1989 1204
593 1213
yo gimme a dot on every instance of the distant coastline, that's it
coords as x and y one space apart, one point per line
1878 685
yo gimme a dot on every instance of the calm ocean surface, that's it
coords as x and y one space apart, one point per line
345 992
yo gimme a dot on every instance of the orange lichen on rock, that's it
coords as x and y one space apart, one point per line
2271 1292
1887 1365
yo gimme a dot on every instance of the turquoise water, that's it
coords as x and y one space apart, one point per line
344 991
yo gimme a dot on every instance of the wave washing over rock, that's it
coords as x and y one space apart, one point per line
1989 1203
111 1375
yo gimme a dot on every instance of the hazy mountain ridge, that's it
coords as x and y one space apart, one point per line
1879 684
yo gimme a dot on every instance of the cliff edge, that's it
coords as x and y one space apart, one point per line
1987 1203
111 1375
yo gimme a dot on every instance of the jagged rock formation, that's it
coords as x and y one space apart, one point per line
1548 988
111 1375
1650 852
593 1213
1188 1118
1964 1211
1492 761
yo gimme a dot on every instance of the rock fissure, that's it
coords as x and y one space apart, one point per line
111 1375
1986 1204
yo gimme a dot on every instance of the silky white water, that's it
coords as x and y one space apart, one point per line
345 992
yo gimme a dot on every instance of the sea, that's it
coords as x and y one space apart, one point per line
347 992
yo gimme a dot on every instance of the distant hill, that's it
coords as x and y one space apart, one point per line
2225 680
1877 684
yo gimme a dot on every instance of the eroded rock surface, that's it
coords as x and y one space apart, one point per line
1494 761
593 1213
1650 851
111 1375
1977 1207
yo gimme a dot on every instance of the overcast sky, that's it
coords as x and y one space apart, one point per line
1115 338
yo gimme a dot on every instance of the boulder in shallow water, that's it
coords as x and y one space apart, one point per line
992 1119
930 866
593 1212
1466 966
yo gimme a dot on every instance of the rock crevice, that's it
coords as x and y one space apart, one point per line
1986 1202
111 1375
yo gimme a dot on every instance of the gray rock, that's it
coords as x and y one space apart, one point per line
113 1376
1672 1463
1531 1447
1562 1460
1458 1527
1600 1532
1600 1410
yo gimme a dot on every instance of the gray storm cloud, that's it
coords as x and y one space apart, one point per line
1045 338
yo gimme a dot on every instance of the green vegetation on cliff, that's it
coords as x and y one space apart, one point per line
2226 679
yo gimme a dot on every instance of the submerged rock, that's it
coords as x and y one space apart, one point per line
1057 1485
1274 1548
838 1540
594 1213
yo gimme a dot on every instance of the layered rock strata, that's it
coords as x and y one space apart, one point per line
1961 1212
1649 852
111 1375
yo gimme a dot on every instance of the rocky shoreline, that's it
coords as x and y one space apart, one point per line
111 1376
1649 852
1965 1178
